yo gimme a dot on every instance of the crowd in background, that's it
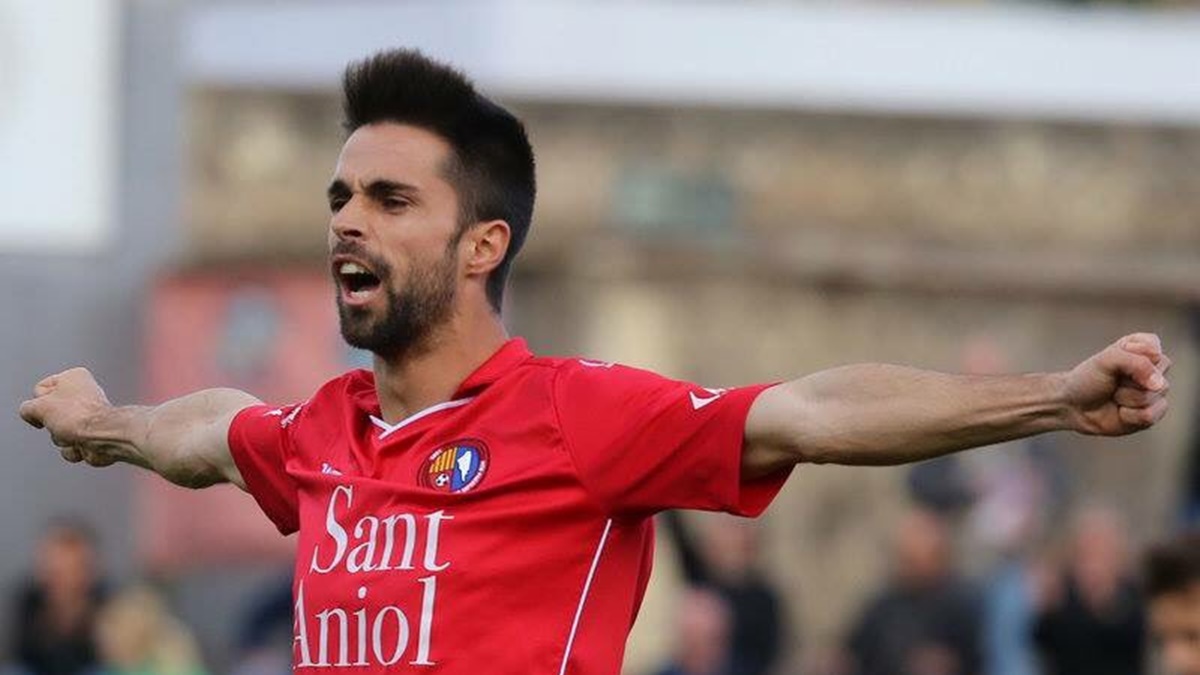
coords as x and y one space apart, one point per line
1029 610
67 619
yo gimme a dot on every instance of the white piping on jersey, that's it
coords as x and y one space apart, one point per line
587 586
388 429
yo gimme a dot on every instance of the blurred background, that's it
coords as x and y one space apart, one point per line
729 192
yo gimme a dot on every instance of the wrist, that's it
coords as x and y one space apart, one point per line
114 431
1062 413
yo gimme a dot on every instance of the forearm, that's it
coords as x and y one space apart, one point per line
873 414
183 440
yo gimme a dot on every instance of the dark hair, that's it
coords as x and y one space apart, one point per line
492 165
1174 565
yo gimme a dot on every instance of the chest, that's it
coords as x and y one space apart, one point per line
456 484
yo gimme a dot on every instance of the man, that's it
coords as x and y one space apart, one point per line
704 635
1090 620
1173 586
55 612
470 506
725 561
926 618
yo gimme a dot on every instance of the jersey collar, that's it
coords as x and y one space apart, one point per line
510 355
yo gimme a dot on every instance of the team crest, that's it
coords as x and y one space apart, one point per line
456 467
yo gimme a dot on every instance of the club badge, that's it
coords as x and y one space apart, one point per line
455 467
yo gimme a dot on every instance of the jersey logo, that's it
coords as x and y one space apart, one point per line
285 421
699 402
456 467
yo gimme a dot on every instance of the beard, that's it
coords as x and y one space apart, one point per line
411 316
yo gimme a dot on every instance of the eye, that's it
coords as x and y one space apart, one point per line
336 204
394 203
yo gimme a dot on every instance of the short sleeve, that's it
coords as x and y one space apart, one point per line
260 442
643 443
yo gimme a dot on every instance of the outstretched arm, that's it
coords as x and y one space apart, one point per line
873 414
183 440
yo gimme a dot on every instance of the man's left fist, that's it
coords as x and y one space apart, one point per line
1120 390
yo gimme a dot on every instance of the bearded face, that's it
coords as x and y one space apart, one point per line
394 234
390 316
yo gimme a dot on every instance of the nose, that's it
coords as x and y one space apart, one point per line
346 224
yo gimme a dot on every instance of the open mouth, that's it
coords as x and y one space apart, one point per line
358 283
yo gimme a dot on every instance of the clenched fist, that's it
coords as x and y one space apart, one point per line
65 404
1120 390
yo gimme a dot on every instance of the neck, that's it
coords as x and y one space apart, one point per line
409 383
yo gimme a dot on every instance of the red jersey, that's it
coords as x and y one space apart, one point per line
507 531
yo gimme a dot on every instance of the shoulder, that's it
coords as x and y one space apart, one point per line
577 376
333 400
594 369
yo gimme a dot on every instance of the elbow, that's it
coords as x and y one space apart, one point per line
192 475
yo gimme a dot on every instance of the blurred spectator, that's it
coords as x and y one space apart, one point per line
1006 523
265 641
1091 619
1172 583
728 563
940 485
926 620
56 609
137 635
703 640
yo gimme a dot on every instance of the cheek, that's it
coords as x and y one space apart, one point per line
1181 652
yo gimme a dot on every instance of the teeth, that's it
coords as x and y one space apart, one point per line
352 268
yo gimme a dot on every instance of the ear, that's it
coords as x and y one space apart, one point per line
484 246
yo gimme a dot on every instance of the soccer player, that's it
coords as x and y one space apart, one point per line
1173 587
470 507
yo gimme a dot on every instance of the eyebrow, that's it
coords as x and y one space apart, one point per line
376 189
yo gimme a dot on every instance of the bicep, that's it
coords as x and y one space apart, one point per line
769 444
197 427
217 440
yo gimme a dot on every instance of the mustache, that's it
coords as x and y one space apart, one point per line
353 248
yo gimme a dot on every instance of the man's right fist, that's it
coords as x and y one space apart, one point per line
64 404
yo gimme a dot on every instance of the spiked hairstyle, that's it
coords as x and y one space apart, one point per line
492 166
